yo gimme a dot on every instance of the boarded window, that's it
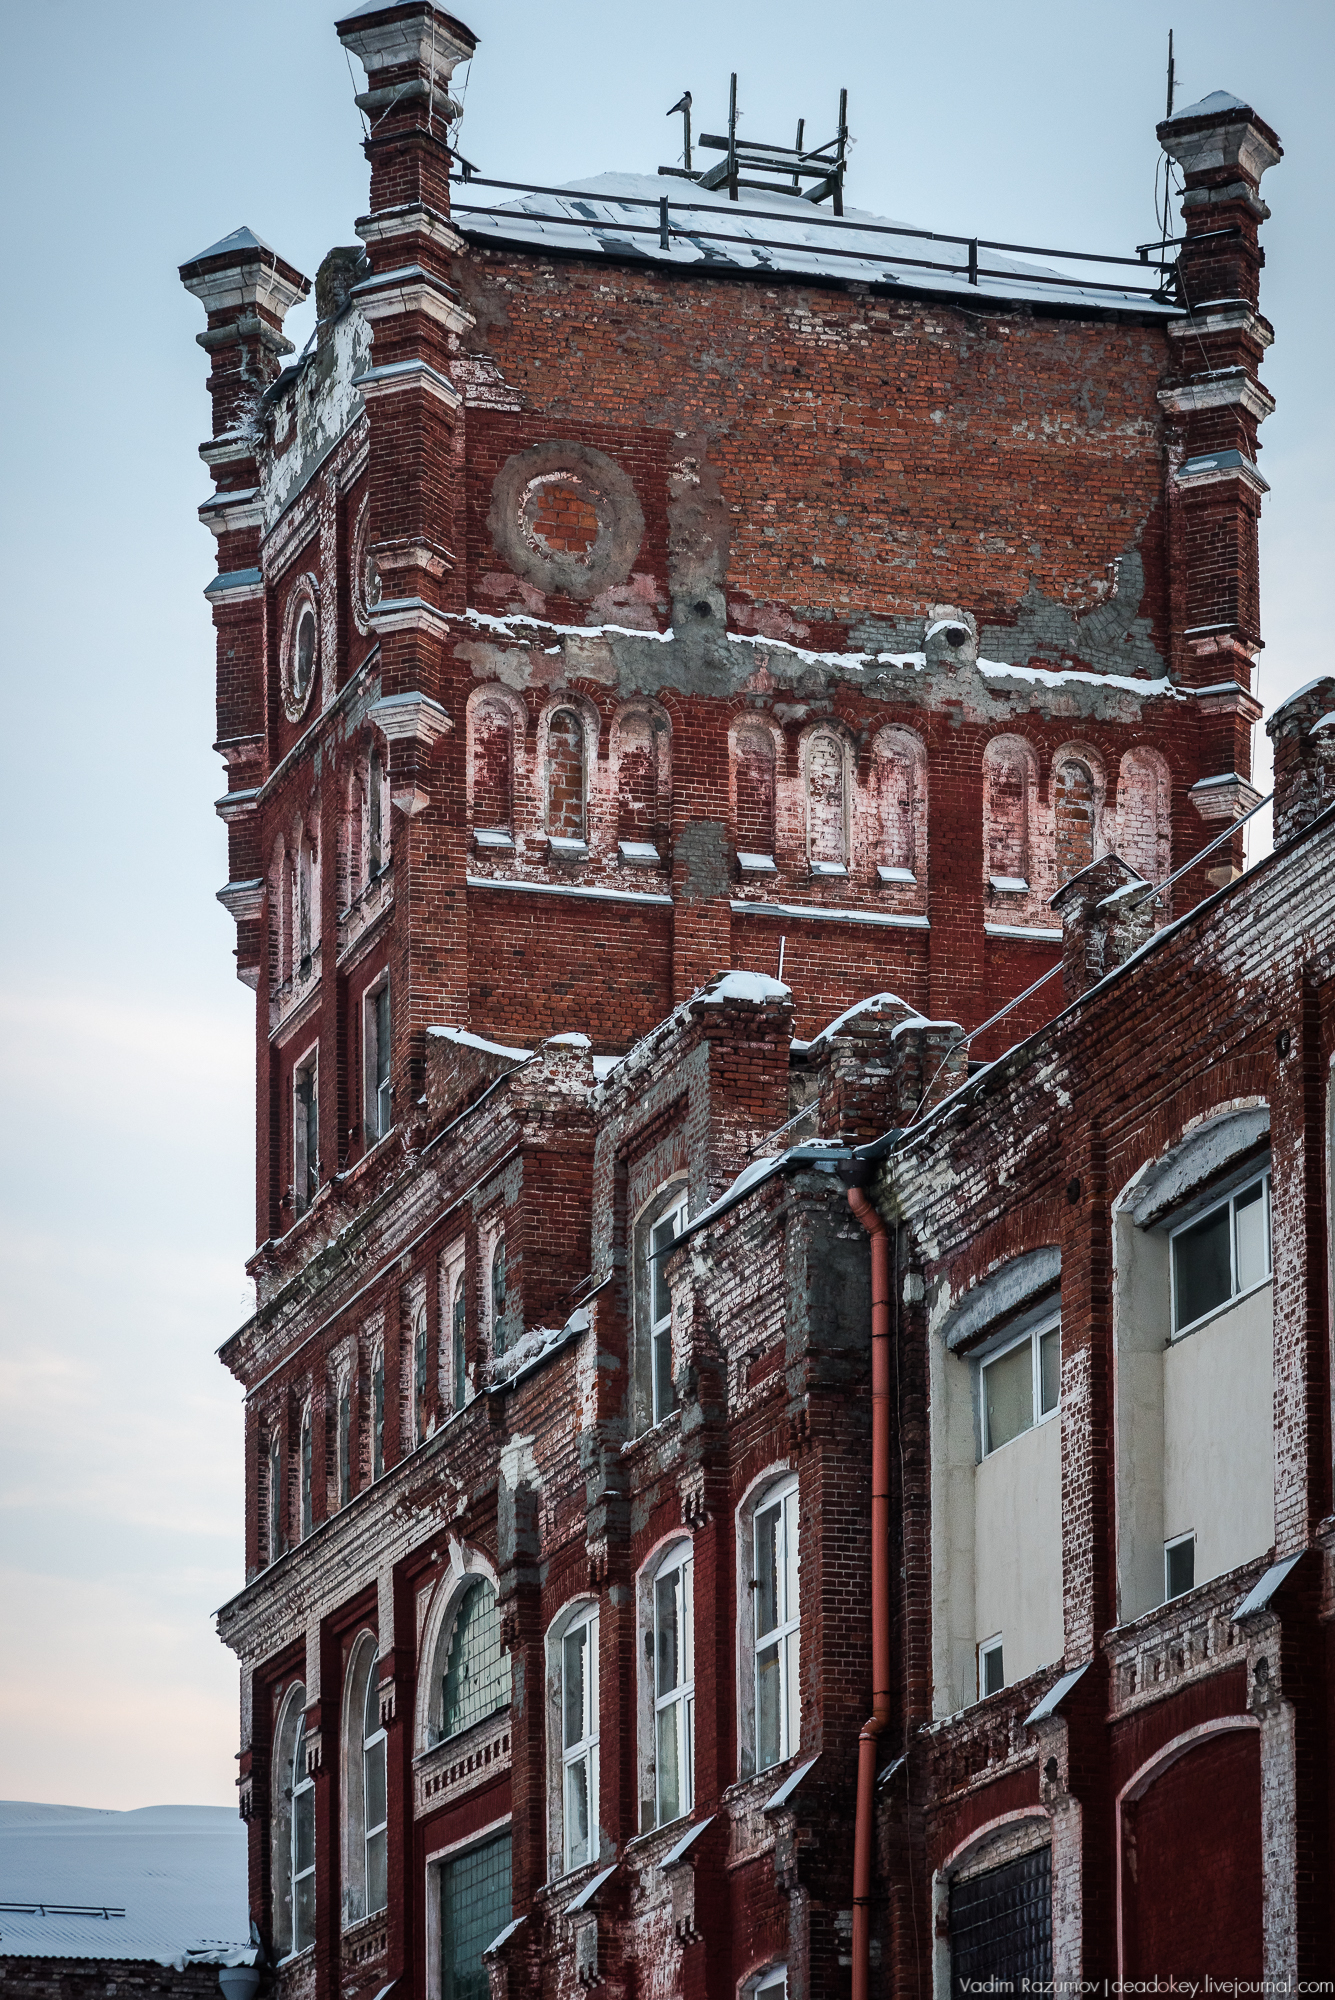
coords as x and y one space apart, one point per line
565 776
1007 813
1073 814
637 780
493 766
1001 1926
826 829
755 791
1143 832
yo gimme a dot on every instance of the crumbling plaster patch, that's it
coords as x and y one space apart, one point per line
310 416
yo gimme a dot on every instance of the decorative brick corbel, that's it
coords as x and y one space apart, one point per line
411 725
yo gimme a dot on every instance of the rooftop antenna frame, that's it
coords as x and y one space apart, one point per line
824 166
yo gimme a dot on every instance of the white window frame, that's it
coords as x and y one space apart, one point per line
986 1649
1034 1335
785 1635
307 1067
302 1783
377 1092
581 1755
372 1741
771 1984
678 1564
676 1214
1177 1542
1229 1201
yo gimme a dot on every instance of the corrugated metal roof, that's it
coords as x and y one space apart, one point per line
781 234
178 1872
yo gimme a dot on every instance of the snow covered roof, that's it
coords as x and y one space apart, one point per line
779 233
1210 107
240 239
176 1876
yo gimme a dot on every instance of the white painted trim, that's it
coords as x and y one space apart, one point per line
1030 932
818 914
565 889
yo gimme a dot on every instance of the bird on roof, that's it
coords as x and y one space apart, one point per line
683 103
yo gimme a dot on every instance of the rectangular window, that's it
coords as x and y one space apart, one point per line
459 1326
376 1113
579 1742
1021 1385
777 1630
345 1444
378 1415
419 1377
1222 1254
275 1498
305 1133
375 1797
674 1687
306 1517
474 1910
1179 1563
991 1670
661 1238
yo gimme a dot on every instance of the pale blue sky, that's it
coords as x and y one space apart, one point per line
133 136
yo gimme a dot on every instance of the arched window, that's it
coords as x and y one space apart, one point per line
565 776
899 779
302 1792
827 804
345 1441
306 1131
1073 817
377 814
378 1414
458 1330
754 754
1144 824
292 1826
419 1376
1008 770
475 1681
776 1621
493 768
307 1521
374 1798
657 1228
639 738
674 1684
578 1694
498 1297
276 1536
364 1801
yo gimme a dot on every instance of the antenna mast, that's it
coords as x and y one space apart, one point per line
1172 75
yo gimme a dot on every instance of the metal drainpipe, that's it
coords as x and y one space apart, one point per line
869 1735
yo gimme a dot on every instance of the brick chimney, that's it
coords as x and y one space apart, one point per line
1302 730
880 1064
1107 914
247 290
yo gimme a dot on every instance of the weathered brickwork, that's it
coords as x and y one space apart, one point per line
661 704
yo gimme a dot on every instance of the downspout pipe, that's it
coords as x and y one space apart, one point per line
877 1721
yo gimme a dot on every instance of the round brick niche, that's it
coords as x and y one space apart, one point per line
566 519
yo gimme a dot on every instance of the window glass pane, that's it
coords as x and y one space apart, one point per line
377 1873
303 1828
371 1707
477 1676
460 1382
577 1813
573 1648
344 1448
1249 1210
303 1912
994 1678
306 1477
1008 1395
666 1633
665 1400
792 1696
378 1418
419 1379
1202 1275
474 1910
669 1787
375 1785
768 1610
1050 1368
660 1245
1181 1567
790 1598
769 1708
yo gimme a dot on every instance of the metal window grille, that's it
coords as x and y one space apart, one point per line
474 1910
477 1669
1001 1925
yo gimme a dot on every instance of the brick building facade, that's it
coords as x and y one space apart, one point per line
645 633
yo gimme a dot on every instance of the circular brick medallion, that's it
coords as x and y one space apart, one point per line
301 646
566 519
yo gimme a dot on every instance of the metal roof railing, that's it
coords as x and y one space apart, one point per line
969 267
